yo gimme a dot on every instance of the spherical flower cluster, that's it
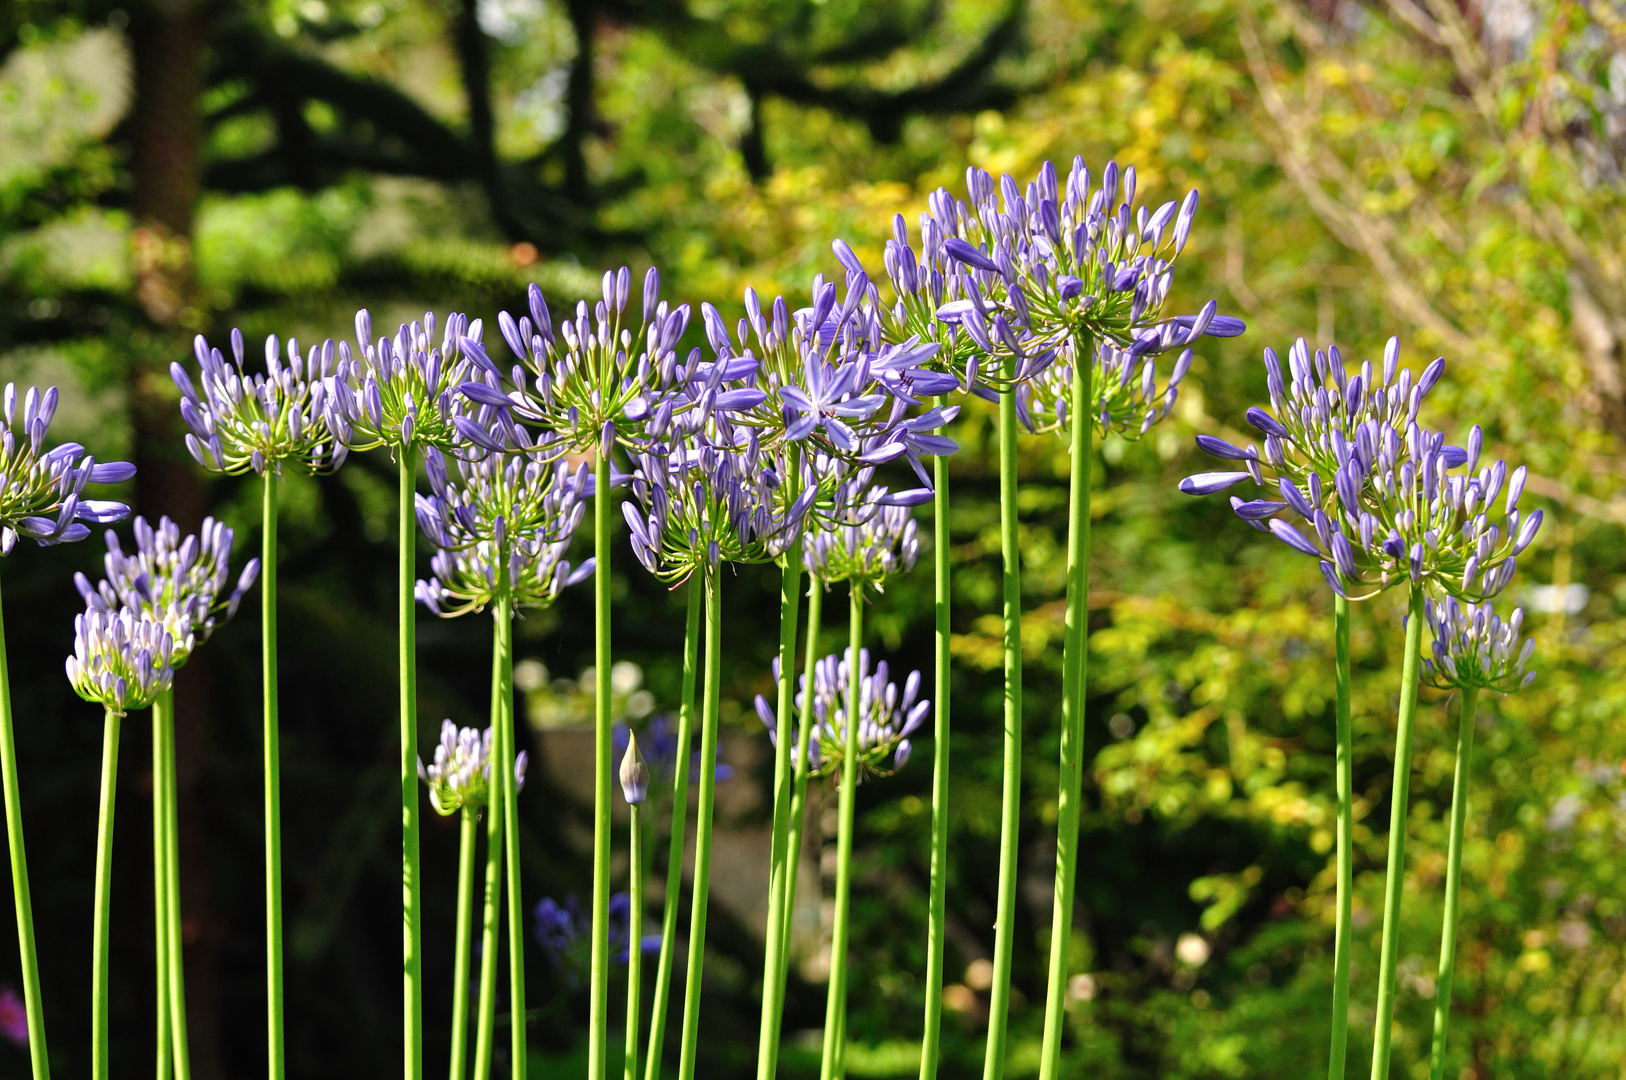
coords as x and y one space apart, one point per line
884 545
38 485
460 776
121 658
1126 396
176 580
246 422
886 719
1474 649
402 392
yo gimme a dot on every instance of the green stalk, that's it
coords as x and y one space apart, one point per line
798 794
635 931
164 713
1453 882
999 1003
38 1061
104 895
1346 850
160 893
780 901
507 737
702 845
411 882
598 1017
680 810
467 838
486 1018
273 800
835 1002
1394 882
936 909
1075 655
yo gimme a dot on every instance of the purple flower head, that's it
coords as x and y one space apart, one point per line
884 545
1126 396
1474 648
177 580
13 1017
886 718
402 391
561 931
121 658
251 423
460 776
42 492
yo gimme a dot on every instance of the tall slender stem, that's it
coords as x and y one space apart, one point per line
780 902
1075 655
798 793
936 909
1346 850
491 907
160 894
1395 880
835 1003
468 836
999 1003
1453 882
598 1020
635 933
38 1060
680 833
508 739
104 895
164 714
702 844
273 791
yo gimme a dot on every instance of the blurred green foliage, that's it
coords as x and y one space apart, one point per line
1449 173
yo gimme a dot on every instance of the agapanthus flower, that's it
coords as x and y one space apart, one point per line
886 718
244 422
121 658
402 392
885 544
495 509
460 776
42 491
1128 398
595 381
176 580
1381 497
561 931
1475 649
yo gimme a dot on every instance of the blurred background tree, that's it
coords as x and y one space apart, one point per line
1448 170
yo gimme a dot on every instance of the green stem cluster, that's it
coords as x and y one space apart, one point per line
635 928
936 908
702 847
167 853
833 1062
1346 852
468 836
1453 882
599 981
104 895
505 804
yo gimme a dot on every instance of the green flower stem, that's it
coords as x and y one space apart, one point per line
1346 850
104 895
1453 882
1075 656
491 912
38 1061
835 1002
275 1060
935 903
680 811
798 793
598 1017
635 932
508 739
1395 880
467 839
160 894
164 715
780 902
702 844
999 1003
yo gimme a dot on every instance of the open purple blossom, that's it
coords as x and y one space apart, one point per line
402 391
121 658
1354 480
886 717
1474 648
42 492
885 544
459 778
594 381
242 422
1129 399
177 580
